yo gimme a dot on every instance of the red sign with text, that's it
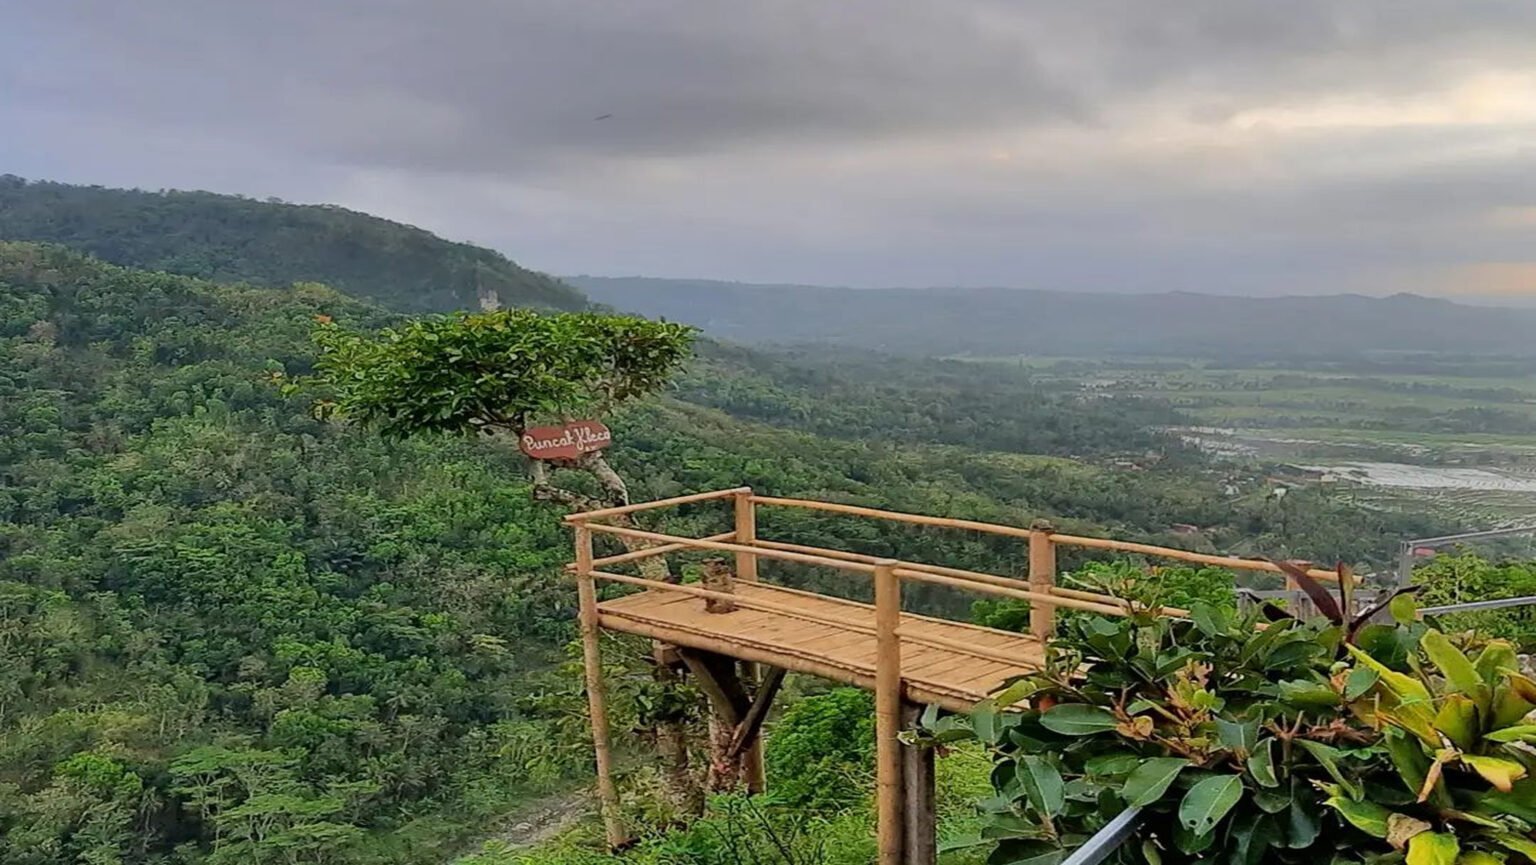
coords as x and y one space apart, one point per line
565 442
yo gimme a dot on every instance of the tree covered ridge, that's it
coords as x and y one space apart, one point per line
229 238
234 631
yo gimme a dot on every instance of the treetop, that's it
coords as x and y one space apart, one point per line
501 369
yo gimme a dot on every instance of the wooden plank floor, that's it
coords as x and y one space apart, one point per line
948 677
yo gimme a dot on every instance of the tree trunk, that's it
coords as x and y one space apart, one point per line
684 791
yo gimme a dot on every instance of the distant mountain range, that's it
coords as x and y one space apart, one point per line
996 321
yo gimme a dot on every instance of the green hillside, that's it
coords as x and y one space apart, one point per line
228 238
223 616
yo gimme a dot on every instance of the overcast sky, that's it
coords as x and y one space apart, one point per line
1232 146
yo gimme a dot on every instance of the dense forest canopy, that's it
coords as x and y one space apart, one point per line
235 633
227 238
998 321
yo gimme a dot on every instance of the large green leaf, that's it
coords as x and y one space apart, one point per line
1518 843
1209 801
1460 674
1042 785
1302 825
1499 772
1106 765
1411 763
984 717
1508 706
1253 832
1433 848
1402 686
1151 780
1329 757
1261 763
1239 736
1077 719
1494 659
1457 719
1209 618
1368 817
1517 733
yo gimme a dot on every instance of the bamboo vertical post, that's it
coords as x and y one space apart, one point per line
1042 579
920 814
746 571
746 533
592 662
889 792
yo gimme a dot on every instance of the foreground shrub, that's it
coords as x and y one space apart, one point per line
1295 742
819 755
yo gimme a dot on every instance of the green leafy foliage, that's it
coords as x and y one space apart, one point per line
506 369
819 754
1282 743
1460 577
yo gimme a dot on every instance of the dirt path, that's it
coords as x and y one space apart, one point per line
538 821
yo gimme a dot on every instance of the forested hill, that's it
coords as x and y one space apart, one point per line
228 238
234 632
983 321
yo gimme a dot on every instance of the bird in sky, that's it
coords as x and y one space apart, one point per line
602 117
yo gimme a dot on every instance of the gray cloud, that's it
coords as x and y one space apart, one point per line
1221 145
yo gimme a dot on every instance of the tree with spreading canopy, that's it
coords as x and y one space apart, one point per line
499 373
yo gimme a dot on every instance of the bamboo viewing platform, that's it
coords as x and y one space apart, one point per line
734 626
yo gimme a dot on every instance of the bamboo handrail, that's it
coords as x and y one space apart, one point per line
1185 555
1174 612
738 600
583 516
662 550
957 646
968 582
725 547
897 516
1020 594
979 576
1017 532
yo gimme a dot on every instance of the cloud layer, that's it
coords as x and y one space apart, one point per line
1207 145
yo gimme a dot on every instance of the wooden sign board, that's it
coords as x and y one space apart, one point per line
565 442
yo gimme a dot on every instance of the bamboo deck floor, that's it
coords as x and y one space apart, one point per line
948 677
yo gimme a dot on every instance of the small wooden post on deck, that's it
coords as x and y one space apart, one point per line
1042 578
889 793
592 661
717 578
746 572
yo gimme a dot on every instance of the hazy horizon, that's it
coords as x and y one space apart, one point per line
1493 301
1214 146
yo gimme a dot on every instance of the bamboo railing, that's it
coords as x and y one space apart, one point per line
888 632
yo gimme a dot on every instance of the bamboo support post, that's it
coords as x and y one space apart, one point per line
1042 579
889 794
592 663
920 816
746 535
745 519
